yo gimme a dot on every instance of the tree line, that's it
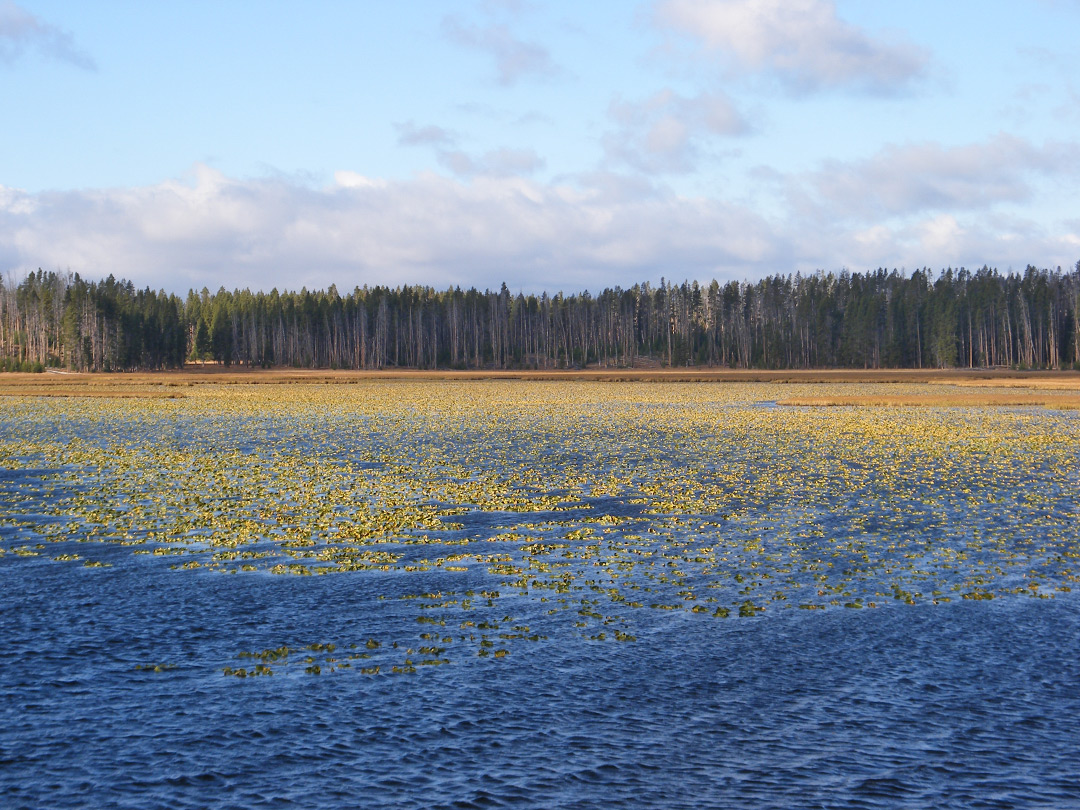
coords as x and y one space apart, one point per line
878 319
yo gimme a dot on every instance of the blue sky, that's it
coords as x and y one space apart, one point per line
556 146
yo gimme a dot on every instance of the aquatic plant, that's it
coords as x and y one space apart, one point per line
495 514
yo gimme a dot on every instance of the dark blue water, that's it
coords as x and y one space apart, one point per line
971 704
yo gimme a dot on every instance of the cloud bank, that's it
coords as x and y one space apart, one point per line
213 230
927 177
591 231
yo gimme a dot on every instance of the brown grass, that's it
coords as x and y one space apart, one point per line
1024 388
943 400
98 393
1066 382
238 375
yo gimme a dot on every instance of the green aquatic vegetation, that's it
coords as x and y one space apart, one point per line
154 667
678 501
749 609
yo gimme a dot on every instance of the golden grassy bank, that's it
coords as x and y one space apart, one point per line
933 388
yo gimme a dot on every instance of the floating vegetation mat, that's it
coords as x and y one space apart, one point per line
482 517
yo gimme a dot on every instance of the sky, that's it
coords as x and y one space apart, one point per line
548 145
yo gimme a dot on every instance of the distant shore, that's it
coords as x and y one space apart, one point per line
218 374
941 387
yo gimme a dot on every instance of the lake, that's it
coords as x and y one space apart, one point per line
424 593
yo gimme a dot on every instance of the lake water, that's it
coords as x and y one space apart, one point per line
536 595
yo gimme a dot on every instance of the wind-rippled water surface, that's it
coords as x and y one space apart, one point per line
538 594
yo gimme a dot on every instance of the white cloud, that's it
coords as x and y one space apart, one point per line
917 178
919 205
802 42
665 132
514 57
593 231
942 240
347 179
213 230
935 240
19 29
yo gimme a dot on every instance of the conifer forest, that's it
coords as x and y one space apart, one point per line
878 319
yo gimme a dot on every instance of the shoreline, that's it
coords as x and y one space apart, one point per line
941 388
240 375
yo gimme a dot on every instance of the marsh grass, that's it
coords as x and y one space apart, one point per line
90 393
933 399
